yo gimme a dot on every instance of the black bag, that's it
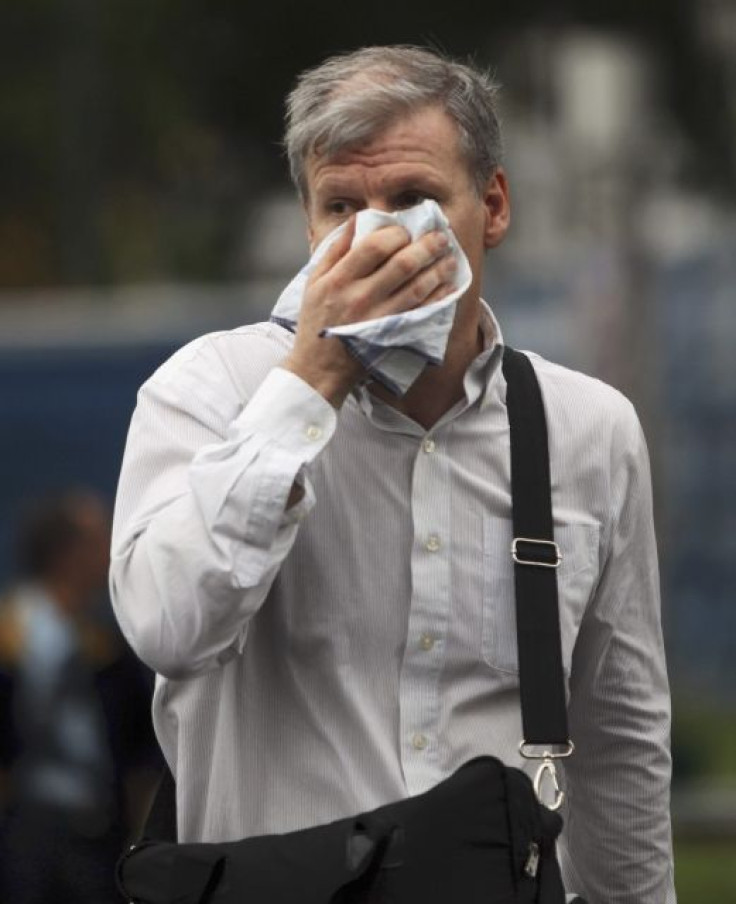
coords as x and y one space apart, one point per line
481 836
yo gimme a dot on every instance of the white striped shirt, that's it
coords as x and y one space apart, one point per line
360 646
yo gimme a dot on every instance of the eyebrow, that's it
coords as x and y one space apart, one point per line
345 187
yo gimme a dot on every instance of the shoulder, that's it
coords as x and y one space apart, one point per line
248 350
592 426
219 370
211 378
582 400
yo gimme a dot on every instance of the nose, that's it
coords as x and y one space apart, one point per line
380 203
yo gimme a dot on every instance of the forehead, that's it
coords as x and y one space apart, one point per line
427 140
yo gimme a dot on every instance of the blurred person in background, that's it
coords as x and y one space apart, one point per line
74 712
319 569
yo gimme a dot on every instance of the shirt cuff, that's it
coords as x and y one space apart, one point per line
289 412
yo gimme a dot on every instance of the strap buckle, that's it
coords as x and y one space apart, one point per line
549 556
547 770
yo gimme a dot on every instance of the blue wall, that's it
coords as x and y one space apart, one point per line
64 415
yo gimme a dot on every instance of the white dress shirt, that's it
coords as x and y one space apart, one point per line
360 646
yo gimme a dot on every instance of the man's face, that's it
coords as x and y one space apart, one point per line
418 157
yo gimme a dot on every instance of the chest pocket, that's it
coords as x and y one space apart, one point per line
575 579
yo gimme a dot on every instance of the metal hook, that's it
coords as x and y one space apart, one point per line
548 768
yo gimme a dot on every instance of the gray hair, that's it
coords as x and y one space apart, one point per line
352 97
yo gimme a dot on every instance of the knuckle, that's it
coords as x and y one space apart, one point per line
431 281
334 283
420 288
415 294
448 264
375 242
389 240
396 235
406 264
360 303
425 255
371 243
436 242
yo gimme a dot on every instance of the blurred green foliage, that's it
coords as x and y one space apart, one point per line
136 134
703 742
704 756
705 873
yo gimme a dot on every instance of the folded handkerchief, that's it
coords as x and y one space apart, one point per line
393 349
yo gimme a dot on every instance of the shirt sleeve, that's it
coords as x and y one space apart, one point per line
617 844
201 522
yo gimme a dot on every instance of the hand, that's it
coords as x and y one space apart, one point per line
385 273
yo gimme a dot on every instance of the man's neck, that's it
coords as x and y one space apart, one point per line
438 389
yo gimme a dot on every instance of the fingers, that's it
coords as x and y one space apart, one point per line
408 263
337 250
442 290
371 253
389 253
428 285
384 273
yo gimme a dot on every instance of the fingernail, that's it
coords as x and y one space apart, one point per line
442 240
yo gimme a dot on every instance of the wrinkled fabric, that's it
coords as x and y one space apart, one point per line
393 349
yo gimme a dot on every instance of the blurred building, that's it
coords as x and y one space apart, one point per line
645 271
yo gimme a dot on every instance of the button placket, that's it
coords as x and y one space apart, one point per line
430 603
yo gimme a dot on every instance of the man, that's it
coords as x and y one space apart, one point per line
73 711
319 570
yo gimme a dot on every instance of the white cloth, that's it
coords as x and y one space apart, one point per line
394 349
360 647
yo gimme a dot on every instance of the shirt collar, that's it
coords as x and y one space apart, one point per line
478 377
480 373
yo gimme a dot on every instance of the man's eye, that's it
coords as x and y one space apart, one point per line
410 199
339 207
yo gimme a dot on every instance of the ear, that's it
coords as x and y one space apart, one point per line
497 208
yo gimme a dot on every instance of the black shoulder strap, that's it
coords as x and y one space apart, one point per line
536 558
543 709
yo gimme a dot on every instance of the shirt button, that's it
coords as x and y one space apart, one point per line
419 742
426 642
433 543
429 446
313 432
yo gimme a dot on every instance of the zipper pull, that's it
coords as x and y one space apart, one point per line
532 861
